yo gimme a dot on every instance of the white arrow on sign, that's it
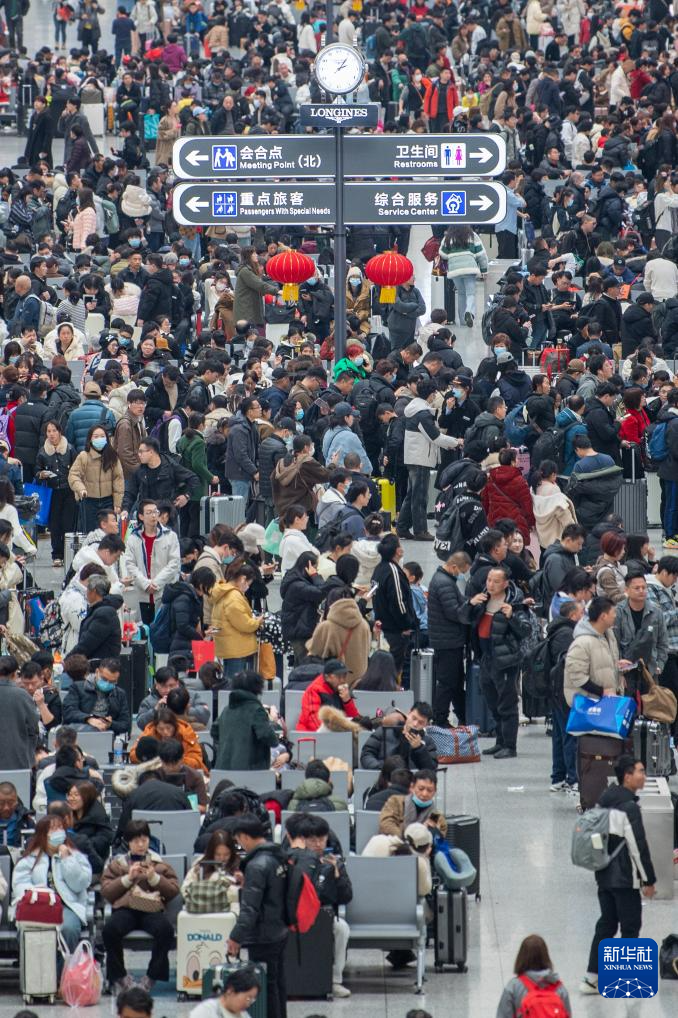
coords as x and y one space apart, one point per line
194 158
483 203
482 155
194 204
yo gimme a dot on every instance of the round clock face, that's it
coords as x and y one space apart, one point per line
339 69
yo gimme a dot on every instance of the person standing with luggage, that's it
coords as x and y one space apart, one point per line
640 630
533 974
393 605
447 636
630 872
261 925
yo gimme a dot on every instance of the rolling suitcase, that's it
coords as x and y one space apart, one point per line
596 755
387 492
421 674
309 957
72 545
38 952
451 929
630 502
201 942
463 831
134 672
215 976
652 745
227 509
477 711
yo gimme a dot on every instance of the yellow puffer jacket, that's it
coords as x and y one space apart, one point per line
232 615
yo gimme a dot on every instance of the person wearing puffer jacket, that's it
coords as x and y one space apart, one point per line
315 793
533 968
235 627
610 574
294 542
302 591
592 661
506 495
552 509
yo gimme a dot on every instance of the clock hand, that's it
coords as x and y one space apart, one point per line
342 65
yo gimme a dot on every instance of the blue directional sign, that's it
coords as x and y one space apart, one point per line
453 203
224 204
224 157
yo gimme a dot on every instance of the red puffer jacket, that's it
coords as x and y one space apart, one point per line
507 496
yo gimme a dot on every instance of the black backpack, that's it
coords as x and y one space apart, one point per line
365 400
449 534
549 446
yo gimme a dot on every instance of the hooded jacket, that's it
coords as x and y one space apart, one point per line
315 795
301 596
156 297
423 438
591 663
632 867
342 440
392 602
480 435
262 899
514 387
593 493
390 741
344 634
94 835
506 495
242 449
609 212
84 417
271 450
100 634
293 483
232 615
82 696
553 511
158 401
185 606
165 481
248 304
246 735
603 429
402 320
636 324
556 563
187 738
668 468
571 425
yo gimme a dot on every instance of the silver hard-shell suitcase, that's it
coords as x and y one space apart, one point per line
72 545
652 745
421 674
38 973
451 928
227 509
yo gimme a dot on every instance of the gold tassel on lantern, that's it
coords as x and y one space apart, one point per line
387 295
290 291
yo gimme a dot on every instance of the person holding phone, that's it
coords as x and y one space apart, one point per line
329 689
220 867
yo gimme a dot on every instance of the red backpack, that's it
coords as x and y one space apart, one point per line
541 1001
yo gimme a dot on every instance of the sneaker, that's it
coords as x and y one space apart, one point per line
146 983
572 790
468 319
126 983
559 786
505 754
339 990
587 986
57 562
670 542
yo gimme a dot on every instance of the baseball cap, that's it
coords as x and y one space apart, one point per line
620 262
286 423
92 389
345 409
335 667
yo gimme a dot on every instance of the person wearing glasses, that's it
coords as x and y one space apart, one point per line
240 990
152 558
242 448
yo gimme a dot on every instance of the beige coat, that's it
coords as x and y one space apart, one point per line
534 17
591 657
553 511
398 812
116 883
88 479
129 432
345 635
209 559
610 576
169 130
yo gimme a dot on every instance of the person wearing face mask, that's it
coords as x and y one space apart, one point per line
234 626
51 859
316 303
357 361
448 637
358 298
222 317
98 704
96 478
411 102
418 806
459 409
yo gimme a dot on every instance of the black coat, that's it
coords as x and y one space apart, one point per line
185 614
40 134
95 836
609 212
157 399
262 899
636 325
603 428
504 320
392 601
301 597
390 741
445 631
669 328
505 633
541 411
30 421
58 463
156 297
80 701
271 450
514 387
100 633
62 400
620 872
165 481
607 311
155 795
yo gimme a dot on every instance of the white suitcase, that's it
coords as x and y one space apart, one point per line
201 944
38 950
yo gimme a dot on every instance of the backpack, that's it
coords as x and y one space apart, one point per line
371 47
51 631
253 805
537 672
365 400
160 431
160 630
590 838
4 424
657 447
449 534
533 639
541 1001
549 446
47 317
302 904
486 321
516 427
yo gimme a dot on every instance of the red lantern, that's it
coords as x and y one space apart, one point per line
389 270
290 268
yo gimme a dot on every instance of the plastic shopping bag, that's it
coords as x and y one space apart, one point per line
611 715
203 651
81 978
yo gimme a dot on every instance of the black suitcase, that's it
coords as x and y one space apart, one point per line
652 745
309 957
215 976
134 672
451 929
596 755
463 831
477 711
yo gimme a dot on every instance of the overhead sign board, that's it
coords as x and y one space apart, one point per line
324 115
220 204
409 203
427 155
294 156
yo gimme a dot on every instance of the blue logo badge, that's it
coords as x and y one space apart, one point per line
453 203
224 157
224 204
628 968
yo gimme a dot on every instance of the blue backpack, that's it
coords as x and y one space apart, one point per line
516 429
657 447
160 630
